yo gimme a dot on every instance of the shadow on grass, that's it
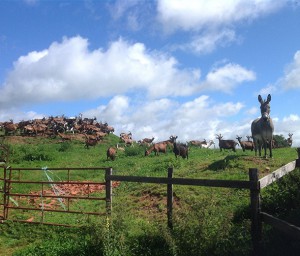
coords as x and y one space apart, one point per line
228 161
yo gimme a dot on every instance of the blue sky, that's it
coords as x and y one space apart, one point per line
155 68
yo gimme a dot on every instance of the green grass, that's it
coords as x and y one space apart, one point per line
207 221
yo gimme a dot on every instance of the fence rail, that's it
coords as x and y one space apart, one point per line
289 229
276 175
185 181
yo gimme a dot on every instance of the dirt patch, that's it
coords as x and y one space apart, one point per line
72 190
80 190
155 202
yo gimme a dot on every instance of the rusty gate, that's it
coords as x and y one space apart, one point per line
51 195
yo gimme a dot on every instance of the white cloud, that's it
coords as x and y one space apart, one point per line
69 71
226 78
269 89
133 15
196 119
195 15
119 8
291 118
17 115
291 79
207 42
139 82
116 110
252 111
289 124
211 23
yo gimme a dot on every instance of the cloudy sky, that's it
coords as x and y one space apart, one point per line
193 68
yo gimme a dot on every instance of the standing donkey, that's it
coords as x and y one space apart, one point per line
262 128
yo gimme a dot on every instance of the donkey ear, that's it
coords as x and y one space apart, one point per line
260 99
269 98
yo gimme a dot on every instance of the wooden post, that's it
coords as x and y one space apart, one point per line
298 160
256 224
170 199
108 187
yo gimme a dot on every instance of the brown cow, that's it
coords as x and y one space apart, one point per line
147 140
157 147
90 143
111 153
91 140
64 137
245 144
226 144
10 127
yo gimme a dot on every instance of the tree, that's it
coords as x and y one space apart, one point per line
280 141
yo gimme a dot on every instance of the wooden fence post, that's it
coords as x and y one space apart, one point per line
256 224
108 187
298 160
170 199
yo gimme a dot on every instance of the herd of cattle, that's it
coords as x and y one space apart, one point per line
63 127
179 149
94 131
182 149
56 125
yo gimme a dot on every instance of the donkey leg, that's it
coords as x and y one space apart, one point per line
255 146
259 149
265 149
270 149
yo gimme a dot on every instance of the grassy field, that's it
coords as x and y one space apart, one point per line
207 221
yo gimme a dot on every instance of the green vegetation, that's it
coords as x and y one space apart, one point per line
207 221
280 141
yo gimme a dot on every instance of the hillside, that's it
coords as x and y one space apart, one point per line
207 221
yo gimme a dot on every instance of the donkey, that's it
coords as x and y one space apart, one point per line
262 128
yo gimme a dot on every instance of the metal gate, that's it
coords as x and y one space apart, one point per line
54 196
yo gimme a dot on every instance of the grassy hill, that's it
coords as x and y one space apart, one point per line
207 221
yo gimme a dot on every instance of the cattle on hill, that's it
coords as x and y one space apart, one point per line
157 148
179 149
226 144
245 145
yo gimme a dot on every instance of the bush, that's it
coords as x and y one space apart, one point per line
134 151
39 153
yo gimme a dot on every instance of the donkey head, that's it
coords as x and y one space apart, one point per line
265 107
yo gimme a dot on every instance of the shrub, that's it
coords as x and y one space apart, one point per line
134 151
